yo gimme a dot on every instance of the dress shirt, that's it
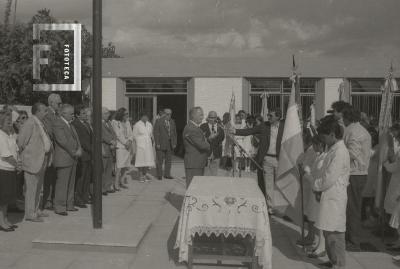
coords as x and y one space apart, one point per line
273 138
45 137
197 125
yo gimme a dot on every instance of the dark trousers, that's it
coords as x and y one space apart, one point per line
335 246
192 172
65 186
354 200
83 182
106 176
49 186
164 156
261 182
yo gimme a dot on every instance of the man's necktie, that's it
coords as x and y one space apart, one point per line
213 129
168 127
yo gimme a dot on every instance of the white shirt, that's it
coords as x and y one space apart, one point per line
211 128
65 121
273 138
45 137
198 125
8 148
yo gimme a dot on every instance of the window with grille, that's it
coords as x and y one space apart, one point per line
278 90
366 96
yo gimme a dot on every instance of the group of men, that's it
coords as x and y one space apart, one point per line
52 143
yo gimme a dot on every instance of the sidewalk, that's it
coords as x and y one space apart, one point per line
140 203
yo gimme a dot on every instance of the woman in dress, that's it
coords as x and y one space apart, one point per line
124 143
143 134
8 169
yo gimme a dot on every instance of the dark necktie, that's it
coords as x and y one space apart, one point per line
213 129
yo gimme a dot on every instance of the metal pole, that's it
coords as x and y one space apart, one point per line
97 95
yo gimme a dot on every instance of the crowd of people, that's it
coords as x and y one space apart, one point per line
339 167
46 160
46 163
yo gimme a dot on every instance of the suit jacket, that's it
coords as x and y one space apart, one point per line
161 136
49 120
107 136
196 147
31 146
263 132
215 143
85 138
66 143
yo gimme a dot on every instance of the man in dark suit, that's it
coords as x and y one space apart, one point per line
67 151
84 162
196 146
165 139
270 136
49 184
215 135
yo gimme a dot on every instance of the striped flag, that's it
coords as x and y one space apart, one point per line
385 121
264 108
288 177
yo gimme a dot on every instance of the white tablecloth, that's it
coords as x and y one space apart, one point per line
225 205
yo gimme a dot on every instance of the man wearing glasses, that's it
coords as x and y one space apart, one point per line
166 140
54 102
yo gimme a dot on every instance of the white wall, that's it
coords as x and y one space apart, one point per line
327 93
109 96
215 94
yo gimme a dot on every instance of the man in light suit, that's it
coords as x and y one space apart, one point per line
165 139
215 135
109 142
35 148
49 185
196 146
67 151
84 163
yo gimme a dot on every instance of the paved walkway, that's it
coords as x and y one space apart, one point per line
150 200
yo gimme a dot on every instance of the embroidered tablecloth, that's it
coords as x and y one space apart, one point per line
228 206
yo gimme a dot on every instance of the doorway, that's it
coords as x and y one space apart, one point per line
179 113
151 104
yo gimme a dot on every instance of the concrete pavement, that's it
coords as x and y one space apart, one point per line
142 202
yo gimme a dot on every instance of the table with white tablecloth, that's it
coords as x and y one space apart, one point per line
225 206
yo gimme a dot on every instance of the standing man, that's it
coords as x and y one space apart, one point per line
84 163
215 135
358 142
270 135
35 148
109 143
49 185
165 139
67 151
196 146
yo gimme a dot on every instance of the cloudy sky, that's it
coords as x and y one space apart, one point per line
239 28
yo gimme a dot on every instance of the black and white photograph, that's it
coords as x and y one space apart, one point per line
199 134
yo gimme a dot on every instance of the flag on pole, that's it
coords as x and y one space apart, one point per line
296 81
264 108
288 177
232 109
385 121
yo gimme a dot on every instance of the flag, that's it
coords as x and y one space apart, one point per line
232 109
288 177
385 121
264 108
296 84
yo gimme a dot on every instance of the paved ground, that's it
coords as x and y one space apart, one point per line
150 200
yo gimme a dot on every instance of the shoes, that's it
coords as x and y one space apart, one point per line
315 255
9 229
168 177
37 219
396 258
352 247
304 242
105 193
159 178
81 205
73 209
142 180
110 191
14 226
61 213
326 264
123 186
42 215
